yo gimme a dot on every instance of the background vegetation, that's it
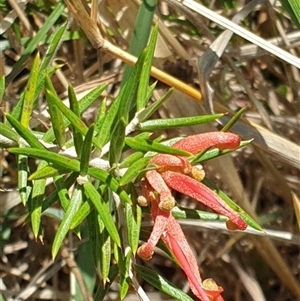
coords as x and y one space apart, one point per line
56 53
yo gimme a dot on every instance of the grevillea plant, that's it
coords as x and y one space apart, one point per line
100 191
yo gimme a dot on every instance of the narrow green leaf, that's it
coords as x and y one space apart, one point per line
249 220
161 283
214 153
133 221
145 74
295 5
75 121
123 104
103 291
35 205
150 90
86 265
100 117
293 9
134 170
105 250
185 213
148 111
168 123
103 211
94 234
124 287
146 135
147 145
26 134
53 197
7 132
73 118
53 46
17 110
109 120
130 89
142 30
85 209
117 256
124 266
84 103
30 92
34 42
86 151
46 172
116 143
92 96
143 26
62 192
57 160
112 183
234 119
74 107
131 159
64 226
56 116
23 171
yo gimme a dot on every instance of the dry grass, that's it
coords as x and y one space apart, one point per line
263 178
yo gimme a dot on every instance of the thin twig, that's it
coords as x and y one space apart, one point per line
75 270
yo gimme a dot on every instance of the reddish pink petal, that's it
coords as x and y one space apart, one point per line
203 194
176 236
167 201
185 257
219 298
175 240
169 162
174 232
196 143
161 220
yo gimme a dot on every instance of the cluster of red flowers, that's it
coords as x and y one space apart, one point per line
176 172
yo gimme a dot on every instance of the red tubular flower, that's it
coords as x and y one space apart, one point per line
202 193
166 162
168 228
176 172
161 221
197 143
167 202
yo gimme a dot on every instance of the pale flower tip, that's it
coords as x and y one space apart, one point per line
210 284
142 201
145 252
239 225
197 173
167 204
212 290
